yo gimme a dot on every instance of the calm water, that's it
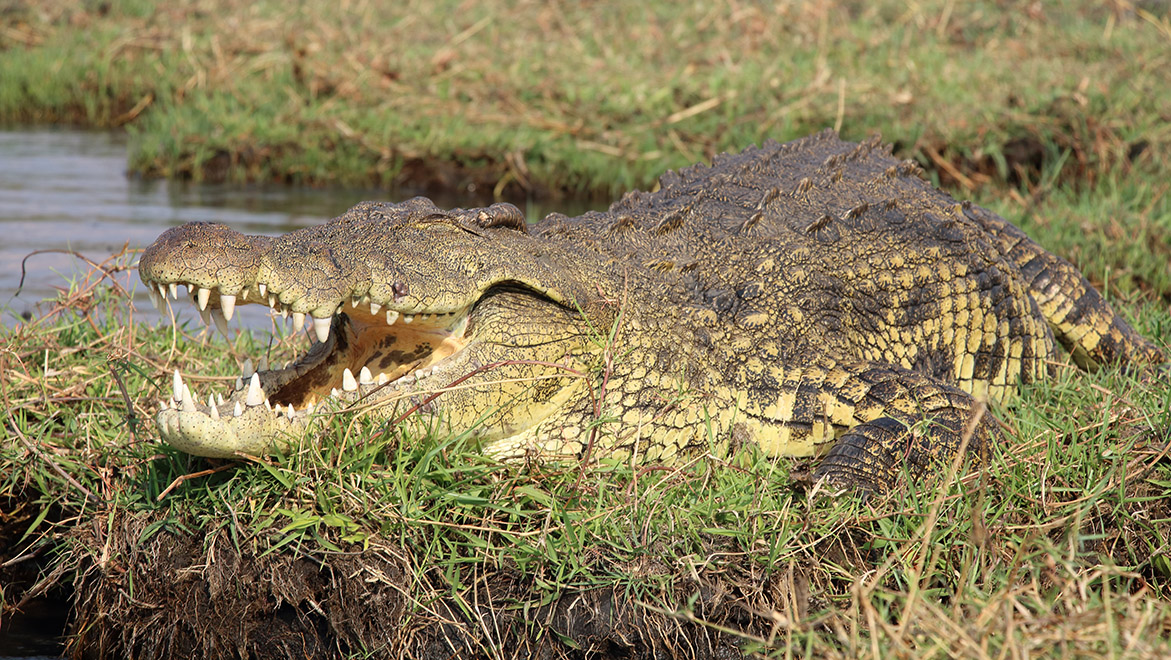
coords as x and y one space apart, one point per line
67 190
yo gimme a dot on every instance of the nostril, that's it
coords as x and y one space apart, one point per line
400 290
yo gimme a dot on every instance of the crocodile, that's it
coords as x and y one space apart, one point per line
815 298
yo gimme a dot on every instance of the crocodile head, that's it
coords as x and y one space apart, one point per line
404 301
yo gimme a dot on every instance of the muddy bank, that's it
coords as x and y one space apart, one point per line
184 593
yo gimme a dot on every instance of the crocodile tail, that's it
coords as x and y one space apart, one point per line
1081 319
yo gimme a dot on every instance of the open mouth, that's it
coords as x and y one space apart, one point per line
362 348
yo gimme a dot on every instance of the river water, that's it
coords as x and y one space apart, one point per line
67 191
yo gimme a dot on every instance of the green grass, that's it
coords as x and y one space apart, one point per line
525 97
1059 547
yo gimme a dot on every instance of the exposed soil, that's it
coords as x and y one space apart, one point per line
183 594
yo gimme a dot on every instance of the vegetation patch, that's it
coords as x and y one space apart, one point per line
531 98
369 541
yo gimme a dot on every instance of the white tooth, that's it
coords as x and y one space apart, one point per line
173 287
333 392
383 379
298 321
219 399
237 410
375 307
221 323
247 369
202 295
284 313
255 394
364 377
162 290
228 304
263 289
154 298
348 382
205 316
292 411
272 301
407 318
239 383
287 365
244 293
321 328
163 405
309 409
263 364
355 301
391 316
211 409
177 386
188 400
268 405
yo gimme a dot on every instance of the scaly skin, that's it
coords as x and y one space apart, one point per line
810 297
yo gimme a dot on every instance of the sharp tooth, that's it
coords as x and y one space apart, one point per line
154 298
263 289
298 321
221 323
244 293
355 301
292 411
219 399
383 379
375 307
173 287
177 386
246 371
239 384
211 409
263 364
269 405
202 295
205 316
364 377
255 394
284 313
163 405
272 301
309 409
228 305
348 382
407 318
391 316
321 328
237 410
162 290
188 400
333 392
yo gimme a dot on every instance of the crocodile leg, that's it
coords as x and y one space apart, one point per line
1082 321
883 421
